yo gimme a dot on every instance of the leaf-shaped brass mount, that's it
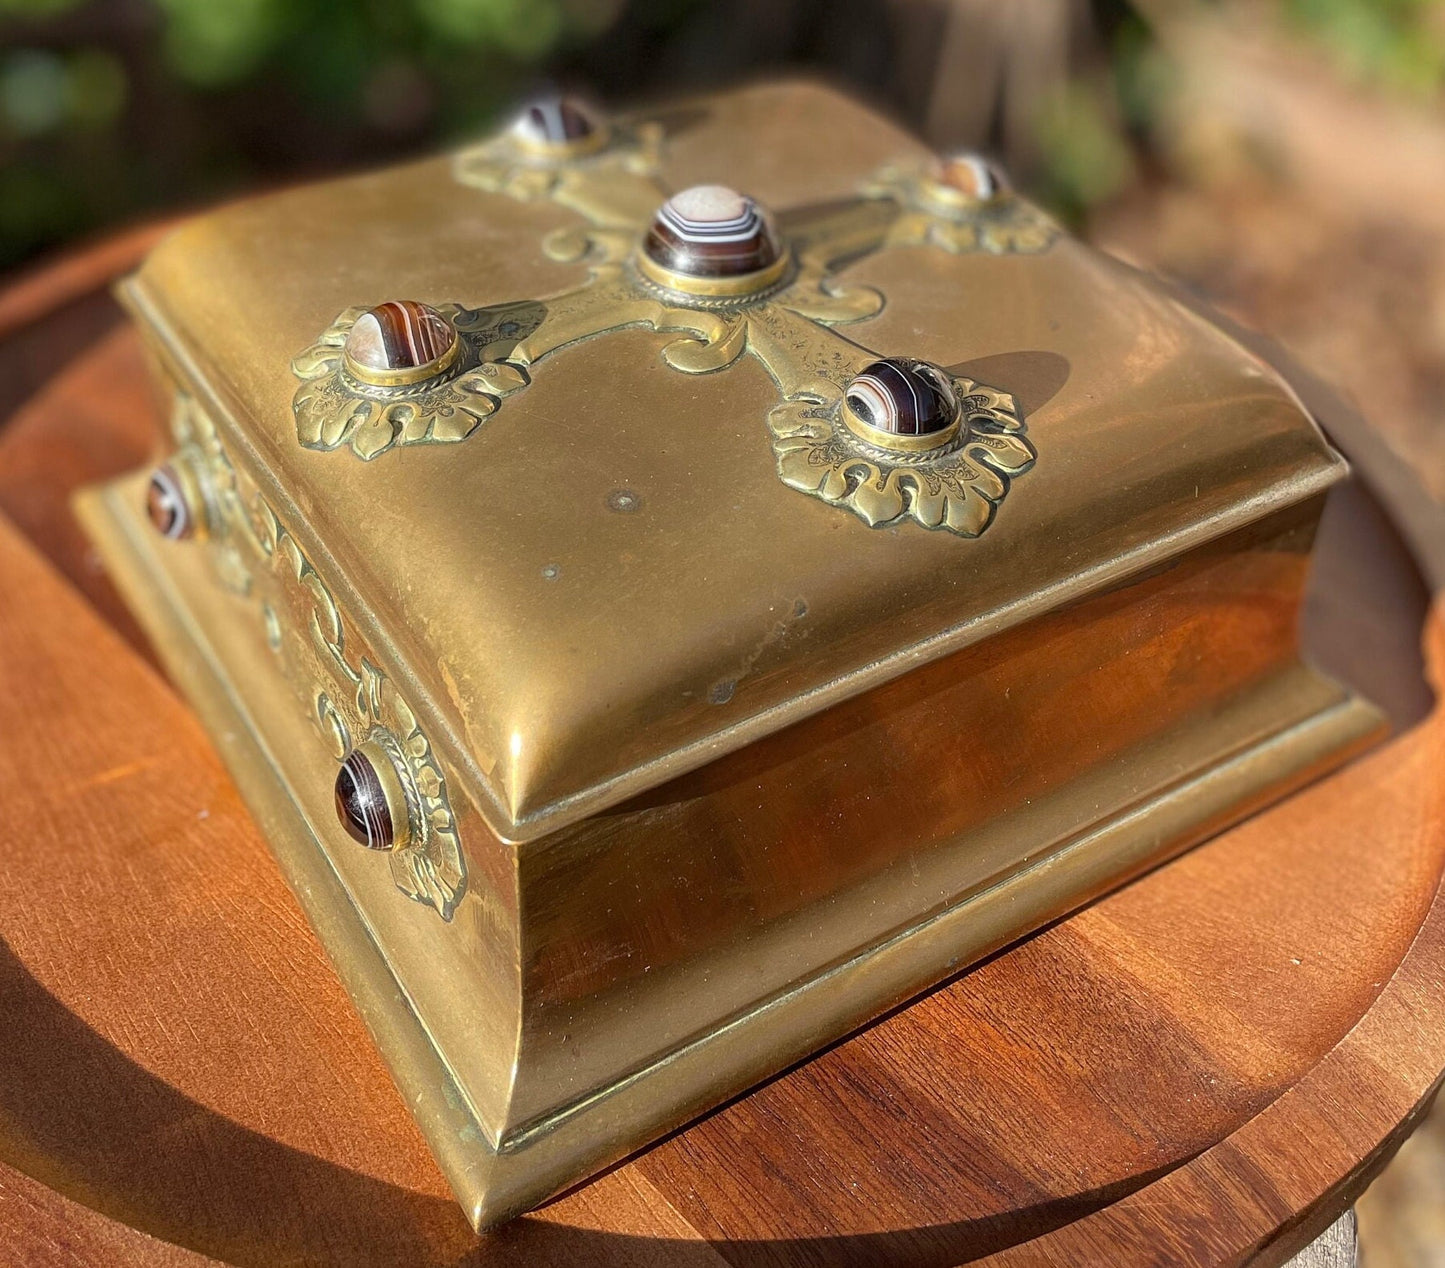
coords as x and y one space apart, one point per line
960 204
956 486
335 406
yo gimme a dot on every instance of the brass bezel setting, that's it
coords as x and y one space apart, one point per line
378 749
895 443
433 369
563 151
736 286
945 197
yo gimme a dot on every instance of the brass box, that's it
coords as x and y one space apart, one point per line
718 727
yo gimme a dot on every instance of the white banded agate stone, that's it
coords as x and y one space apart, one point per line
711 231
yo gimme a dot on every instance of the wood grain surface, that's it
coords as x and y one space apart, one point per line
1202 1068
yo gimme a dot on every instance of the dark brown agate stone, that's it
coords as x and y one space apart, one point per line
361 803
555 123
902 397
167 506
711 231
399 335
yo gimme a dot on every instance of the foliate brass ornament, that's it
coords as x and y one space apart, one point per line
960 204
955 486
708 265
336 406
610 178
349 699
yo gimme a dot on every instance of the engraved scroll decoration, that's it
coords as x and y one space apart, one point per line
346 695
791 329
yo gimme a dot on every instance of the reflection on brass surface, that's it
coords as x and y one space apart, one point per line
711 772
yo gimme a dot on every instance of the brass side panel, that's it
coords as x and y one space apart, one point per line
597 989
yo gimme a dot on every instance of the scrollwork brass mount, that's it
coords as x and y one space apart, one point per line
343 691
784 312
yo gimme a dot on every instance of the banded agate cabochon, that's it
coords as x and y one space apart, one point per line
902 397
361 803
400 334
971 176
167 507
711 231
554 122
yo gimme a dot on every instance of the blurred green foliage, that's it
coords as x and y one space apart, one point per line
1397 44
110 109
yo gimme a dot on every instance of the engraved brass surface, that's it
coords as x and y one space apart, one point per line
711 772
341 688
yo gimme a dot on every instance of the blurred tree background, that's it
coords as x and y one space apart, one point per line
112 109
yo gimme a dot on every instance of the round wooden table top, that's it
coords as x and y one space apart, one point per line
1203 1068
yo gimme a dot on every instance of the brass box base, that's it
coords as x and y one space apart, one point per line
1110 822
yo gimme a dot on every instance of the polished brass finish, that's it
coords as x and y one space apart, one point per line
709 773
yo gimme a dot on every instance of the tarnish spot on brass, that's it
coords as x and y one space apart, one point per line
723 690
623 501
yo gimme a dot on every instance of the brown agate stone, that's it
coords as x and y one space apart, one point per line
167 506
973 177
902 397
399 335
361 803
555 123
711 231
